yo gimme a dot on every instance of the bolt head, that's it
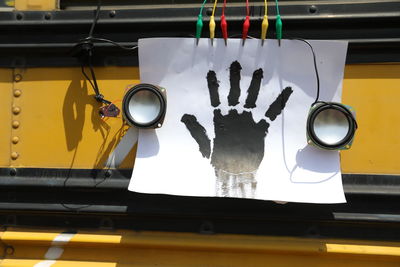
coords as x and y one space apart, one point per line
15 140
14 155
17 93
13 171
9 250
15 124
16 110
17 77
312 9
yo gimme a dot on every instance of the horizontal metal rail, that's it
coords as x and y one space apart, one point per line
45 38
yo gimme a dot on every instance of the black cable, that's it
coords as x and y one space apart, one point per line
87 44
89 47
90 54
96 87
345 110
86 76
75 209
314 59
132 48
96 18
315 67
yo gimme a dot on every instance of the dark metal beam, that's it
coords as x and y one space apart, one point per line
363 217
39 39
90 198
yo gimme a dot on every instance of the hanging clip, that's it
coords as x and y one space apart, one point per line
264 28
246 26
199 28
212 29
278 29
212 23
224 28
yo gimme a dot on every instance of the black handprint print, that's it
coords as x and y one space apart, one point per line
238 146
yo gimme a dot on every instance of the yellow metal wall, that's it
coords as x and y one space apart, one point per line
5 117
36 4
374 91
59 126
128 248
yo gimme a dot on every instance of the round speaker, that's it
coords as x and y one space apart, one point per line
331 125
144 106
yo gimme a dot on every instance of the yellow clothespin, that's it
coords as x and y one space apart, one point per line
212 23
264 29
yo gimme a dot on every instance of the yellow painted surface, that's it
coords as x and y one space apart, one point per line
36 4
5 117
374 91
32 263
363 249
128 248
60 126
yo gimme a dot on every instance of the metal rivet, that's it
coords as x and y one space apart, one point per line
207 228
159 125
112 13
15 140
209 11
17 77
13 171
17 93
107 174
106 223
16 110
9 250
47 16
15 124
14 155
312 9
19 16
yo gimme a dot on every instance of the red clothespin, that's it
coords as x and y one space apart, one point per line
246 26
224 29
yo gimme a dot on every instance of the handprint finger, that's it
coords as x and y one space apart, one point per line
234 92
198 133
263 125
213 85
279 104
254 89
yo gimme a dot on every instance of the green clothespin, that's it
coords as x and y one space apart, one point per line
278 29
199 28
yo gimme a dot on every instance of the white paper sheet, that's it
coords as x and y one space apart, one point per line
169 159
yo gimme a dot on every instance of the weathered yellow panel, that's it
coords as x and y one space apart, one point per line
36 4
128 248
374 92
60 126
5 117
